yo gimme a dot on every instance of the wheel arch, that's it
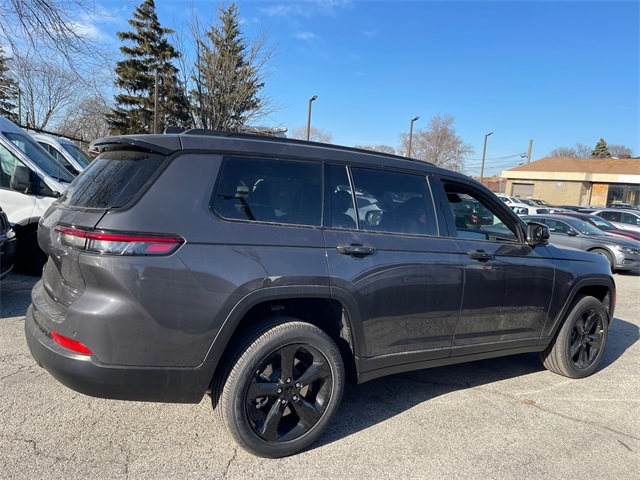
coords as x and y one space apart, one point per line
603 289
314 305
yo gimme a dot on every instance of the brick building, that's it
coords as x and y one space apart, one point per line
577 181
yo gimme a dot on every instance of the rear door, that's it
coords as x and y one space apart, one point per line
508 285
401 281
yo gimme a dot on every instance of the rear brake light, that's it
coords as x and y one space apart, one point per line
70 343
117 243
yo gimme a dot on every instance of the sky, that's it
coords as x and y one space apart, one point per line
556 72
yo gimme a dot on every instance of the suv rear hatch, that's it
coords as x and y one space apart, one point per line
114 181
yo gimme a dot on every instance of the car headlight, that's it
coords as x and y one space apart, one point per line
629 250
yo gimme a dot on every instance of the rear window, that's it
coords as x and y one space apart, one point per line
114 180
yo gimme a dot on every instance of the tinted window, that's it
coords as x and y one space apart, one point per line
393 202
612 216
114 180
475 218
77 153
269 191
630 219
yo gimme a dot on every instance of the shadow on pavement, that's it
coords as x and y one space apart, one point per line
15 294
371 403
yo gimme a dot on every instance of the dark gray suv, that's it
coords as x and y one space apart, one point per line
241 266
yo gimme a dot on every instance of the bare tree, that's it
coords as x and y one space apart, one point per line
47 90
87 120
48 28
315 134
438 143
563 152
378 148
579 150
620 151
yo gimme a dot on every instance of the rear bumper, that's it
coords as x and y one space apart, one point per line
84 374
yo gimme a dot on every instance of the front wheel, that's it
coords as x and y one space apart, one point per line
578 348
283 386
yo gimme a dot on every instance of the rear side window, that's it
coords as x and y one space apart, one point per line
269 190
114 180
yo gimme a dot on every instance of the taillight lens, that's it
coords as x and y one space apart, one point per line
70 343
114 243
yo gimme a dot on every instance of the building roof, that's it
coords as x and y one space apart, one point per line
615 170
629 166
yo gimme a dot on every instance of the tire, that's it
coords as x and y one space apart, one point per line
30 258
273 408
605 254
579 345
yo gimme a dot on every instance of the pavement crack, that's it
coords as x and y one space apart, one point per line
19 370
231 460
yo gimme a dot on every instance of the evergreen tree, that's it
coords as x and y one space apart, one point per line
228 77
8 91
601 150
150 50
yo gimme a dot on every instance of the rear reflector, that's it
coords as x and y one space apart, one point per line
69 343
116 243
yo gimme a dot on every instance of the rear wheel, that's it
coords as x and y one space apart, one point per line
283 386
578 348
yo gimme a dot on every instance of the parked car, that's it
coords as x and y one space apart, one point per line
182 264
627 219
470 213
621 253
30 180
7 245
604 225
624 206
528 210
65 151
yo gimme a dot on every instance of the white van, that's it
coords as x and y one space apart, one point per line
65 151
30 180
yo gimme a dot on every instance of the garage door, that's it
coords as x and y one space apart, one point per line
523 190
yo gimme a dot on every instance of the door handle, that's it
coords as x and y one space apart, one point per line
480 255
354 249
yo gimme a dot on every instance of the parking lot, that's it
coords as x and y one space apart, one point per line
500 418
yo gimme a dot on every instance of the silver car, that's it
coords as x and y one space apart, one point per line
628 219
622 253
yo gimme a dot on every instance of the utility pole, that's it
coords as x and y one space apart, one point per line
529 153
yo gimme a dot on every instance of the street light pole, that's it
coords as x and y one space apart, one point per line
484 152
411 134
155 103
309 117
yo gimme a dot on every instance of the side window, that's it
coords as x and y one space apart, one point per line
475 218
267 190
630 219
558 227
612 216
393 202
341 213
8 163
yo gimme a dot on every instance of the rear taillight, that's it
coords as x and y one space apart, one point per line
70 343
474 218
115 243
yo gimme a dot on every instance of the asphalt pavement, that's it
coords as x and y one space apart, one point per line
505 418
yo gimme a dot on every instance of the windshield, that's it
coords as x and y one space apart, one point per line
601 223
77 153
584 227
37 155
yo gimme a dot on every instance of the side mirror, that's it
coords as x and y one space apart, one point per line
537 234
21 179
572 233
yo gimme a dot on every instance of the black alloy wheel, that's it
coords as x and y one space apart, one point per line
282 386
579 345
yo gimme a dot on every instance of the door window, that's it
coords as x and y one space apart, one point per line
476 218
8 163
268 190
629 219
393 202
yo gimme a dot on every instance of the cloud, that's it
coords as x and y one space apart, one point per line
306 36
306 8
